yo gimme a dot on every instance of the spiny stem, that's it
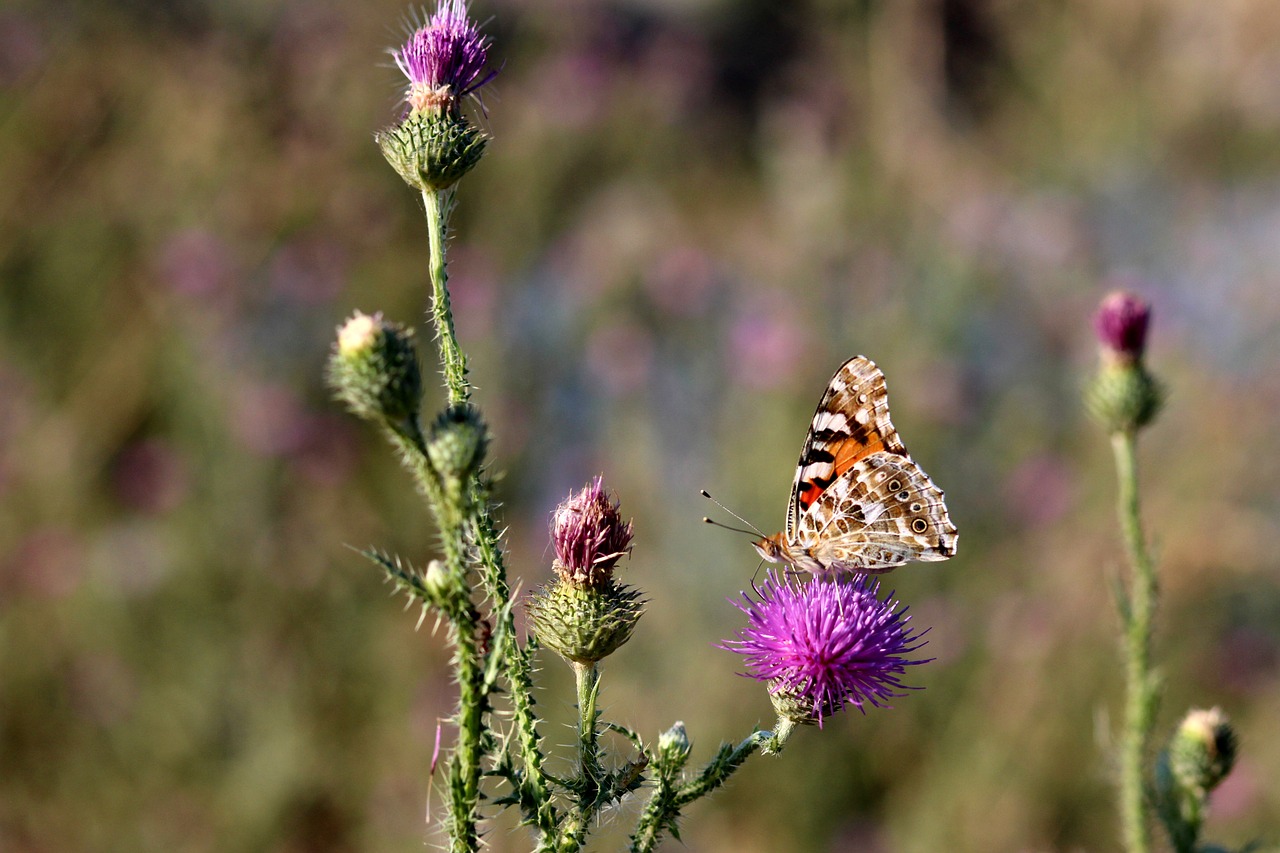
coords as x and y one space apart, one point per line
587 678
519 670
1137 614
454 362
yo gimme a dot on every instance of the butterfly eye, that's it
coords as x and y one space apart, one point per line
904 496
916 507
919 525
895 485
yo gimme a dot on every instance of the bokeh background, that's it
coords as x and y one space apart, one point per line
690 213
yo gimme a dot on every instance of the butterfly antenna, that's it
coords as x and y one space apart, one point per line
753 531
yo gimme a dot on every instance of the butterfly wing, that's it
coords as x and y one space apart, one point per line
851 423
881 513
859 502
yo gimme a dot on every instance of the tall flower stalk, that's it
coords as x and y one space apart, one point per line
1124 398
584 614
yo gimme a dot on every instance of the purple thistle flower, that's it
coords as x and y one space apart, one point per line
589 536
444 59
1121 325
823 644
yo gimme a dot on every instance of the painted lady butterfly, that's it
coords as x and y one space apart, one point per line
859 502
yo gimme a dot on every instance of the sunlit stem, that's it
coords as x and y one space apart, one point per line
453 361
1136 611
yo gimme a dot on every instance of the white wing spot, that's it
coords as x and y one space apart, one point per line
872 511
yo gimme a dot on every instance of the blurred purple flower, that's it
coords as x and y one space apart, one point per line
589 536
1121 324
820 645
444 59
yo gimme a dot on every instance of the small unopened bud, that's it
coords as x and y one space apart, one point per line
457 442
1123 396
1203 749
584 624
436 580
589 536
673 748
374 370
1199 756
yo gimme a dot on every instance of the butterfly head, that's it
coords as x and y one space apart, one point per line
771 548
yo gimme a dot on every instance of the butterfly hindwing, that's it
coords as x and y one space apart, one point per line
881 513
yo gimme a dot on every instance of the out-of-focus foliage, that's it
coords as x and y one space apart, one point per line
690 213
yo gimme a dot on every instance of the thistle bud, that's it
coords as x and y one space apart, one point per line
1199 756
1124 396
457 442
1203 749
374 370
673 748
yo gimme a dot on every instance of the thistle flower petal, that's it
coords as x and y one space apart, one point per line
1121 324
589 536
824 644
444 59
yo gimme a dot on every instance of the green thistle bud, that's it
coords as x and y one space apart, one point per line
1203 749
673 748
1124 397
431 150
436 581
584 624
457 443
374 370
1199 756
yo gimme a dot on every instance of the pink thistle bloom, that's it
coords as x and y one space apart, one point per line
589 536
1121 324
821 645
444 59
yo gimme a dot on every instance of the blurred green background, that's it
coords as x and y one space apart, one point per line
690 214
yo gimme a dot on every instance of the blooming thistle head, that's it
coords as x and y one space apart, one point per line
589 536
444 59
433 145
1124 396
821 645
584 614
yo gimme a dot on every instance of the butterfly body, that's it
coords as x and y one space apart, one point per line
859 502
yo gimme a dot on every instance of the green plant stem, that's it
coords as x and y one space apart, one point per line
1137 611
453 361
587 678
464 763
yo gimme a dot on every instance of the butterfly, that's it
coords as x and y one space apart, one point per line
859 503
